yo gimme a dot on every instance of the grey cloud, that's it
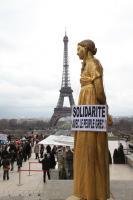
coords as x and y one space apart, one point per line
25 112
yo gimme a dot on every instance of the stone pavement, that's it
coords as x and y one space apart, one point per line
33 188
121 182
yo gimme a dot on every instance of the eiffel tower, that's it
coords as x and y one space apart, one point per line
65 90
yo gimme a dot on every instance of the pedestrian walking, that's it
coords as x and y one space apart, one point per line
45 167
41 150
6 168
36 150
69 163
19 160
12 159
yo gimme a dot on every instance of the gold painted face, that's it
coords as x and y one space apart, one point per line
81 52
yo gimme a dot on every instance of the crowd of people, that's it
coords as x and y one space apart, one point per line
14 152
19 151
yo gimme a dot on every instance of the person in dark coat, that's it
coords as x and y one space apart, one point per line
69 163
12 159
48 148
41 150
28 150
54 150
52 161
5 153
19 160
24 152
121 155
115 157
9 138
6 168
45 167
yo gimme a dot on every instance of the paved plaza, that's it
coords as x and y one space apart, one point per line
32 187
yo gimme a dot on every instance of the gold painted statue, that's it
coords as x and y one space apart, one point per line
91 166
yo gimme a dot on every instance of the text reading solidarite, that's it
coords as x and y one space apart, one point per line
89 117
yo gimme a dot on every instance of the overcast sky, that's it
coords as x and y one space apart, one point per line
31 52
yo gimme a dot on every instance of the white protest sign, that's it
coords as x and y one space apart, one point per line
89 118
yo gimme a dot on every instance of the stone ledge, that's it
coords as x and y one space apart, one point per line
129 160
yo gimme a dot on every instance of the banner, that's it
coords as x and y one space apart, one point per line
89 118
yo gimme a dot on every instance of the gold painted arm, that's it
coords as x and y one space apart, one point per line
101 98
84 80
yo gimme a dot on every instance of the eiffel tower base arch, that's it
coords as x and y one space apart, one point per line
58 114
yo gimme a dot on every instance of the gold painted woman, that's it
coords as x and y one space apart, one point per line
91 166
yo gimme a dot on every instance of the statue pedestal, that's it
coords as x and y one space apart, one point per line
72 197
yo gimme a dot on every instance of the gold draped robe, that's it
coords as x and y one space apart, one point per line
91 166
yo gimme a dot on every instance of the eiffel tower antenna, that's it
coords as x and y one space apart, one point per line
65 90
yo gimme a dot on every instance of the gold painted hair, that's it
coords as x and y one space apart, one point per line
89 45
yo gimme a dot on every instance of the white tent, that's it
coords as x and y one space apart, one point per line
61 140
3 136
58 140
